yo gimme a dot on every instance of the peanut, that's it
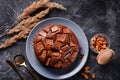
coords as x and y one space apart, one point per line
86 68
84 75
93 75
87 71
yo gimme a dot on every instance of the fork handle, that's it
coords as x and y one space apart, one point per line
31 73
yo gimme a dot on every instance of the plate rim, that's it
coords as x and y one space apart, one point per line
83 61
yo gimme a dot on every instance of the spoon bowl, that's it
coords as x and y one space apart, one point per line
19 60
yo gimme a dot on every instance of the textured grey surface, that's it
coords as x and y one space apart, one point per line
94 16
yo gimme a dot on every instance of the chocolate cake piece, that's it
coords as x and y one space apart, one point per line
56 46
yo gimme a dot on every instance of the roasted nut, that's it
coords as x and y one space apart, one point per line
99 42
84 76
87 71
93 75
86 68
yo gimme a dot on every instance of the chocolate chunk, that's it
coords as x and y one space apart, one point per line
37 38
47 29
49 53
43 60
60 37
67 55
63 37
51 35
58 44
38 47
76 49
72 43
58 65
43 33
54 28
43 54
69 51
66 30
74 54
65 47
55 59
67 38
49 41
49 47
48 61
55 54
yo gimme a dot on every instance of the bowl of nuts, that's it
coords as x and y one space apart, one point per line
99 42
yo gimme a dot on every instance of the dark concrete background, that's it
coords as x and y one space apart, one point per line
93 16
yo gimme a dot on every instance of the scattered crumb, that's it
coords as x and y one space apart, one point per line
81 56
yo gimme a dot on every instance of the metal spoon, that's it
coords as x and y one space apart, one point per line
15 69
20 61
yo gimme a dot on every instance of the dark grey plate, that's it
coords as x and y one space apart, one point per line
58 73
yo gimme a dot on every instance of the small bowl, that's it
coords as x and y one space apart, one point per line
99 35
